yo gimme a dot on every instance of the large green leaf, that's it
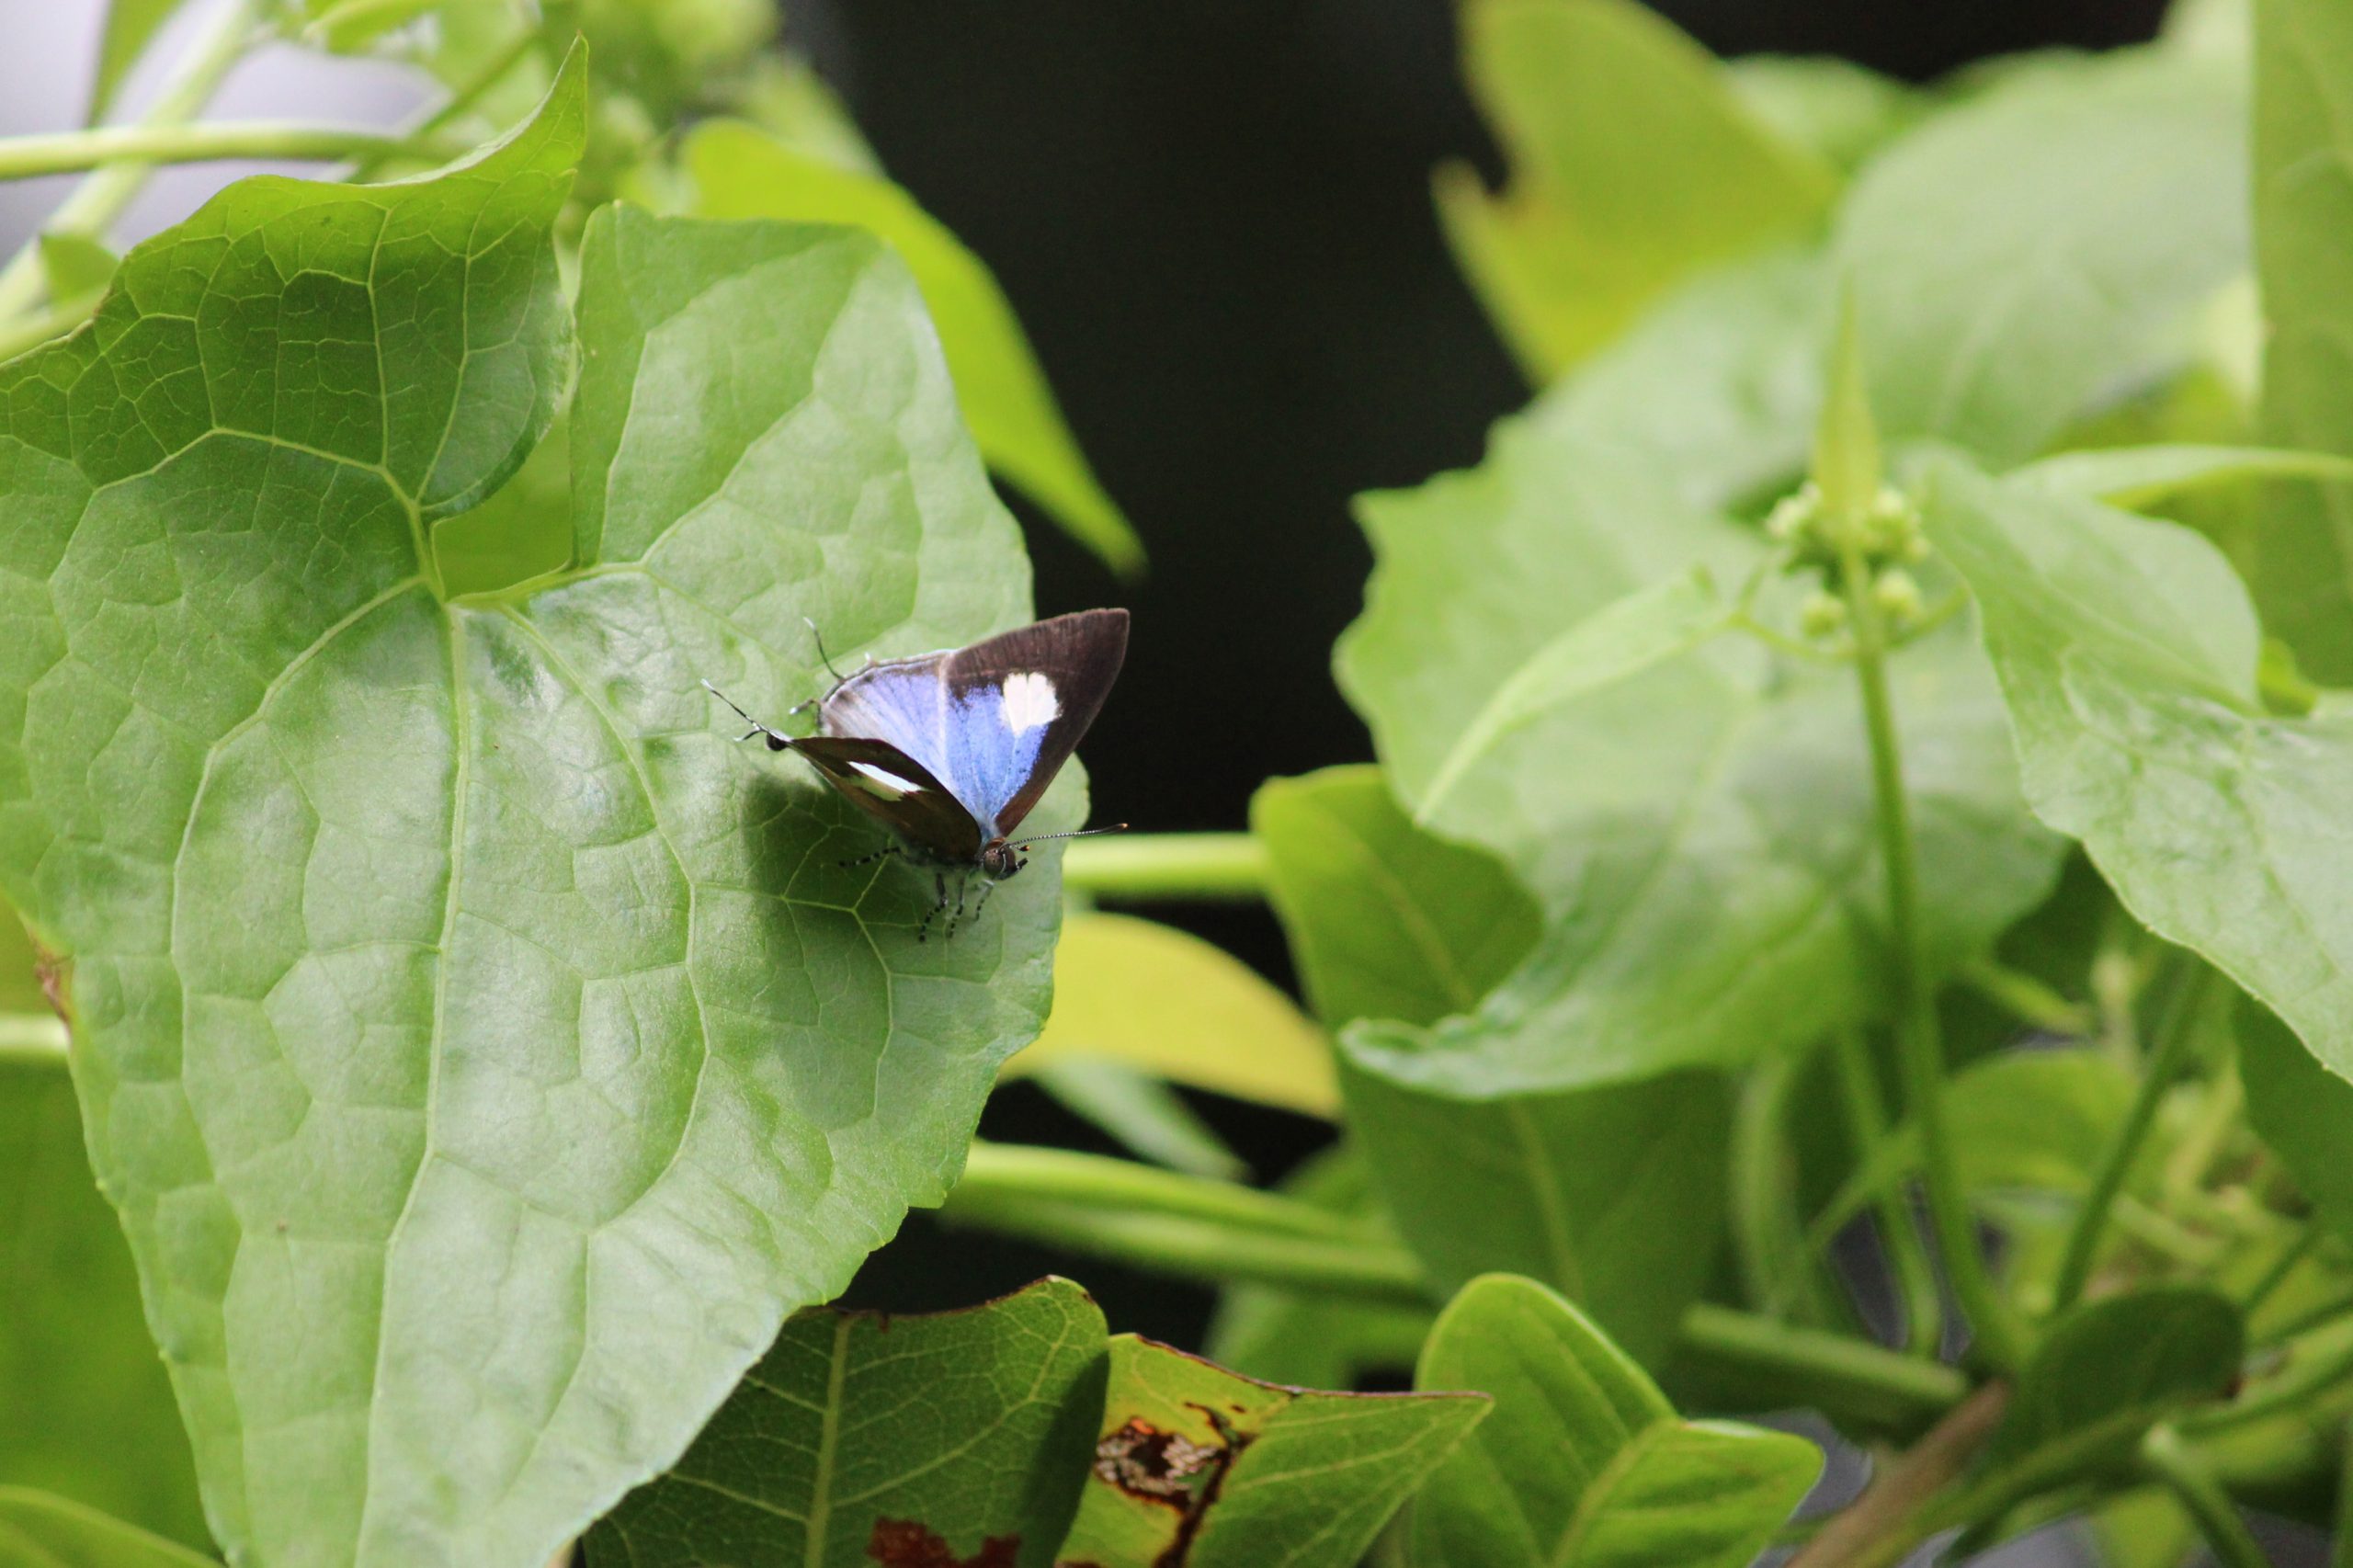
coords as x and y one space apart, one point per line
733 169
2300 559
38 1530
2042 244
1615 1194
445 984
1634 161
2127 652
2303 1112
1700 833
2109 1369
1199 1466
1583 1464
81 1388
859 1437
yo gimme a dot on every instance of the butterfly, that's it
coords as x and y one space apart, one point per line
950 750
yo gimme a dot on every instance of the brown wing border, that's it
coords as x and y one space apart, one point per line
931 818
1082 651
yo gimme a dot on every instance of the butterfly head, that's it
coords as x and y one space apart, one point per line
999 860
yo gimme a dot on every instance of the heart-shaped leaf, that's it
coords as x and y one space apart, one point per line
484 1054
1700 832
1583 1463
914 1442
2128 653
1198 1468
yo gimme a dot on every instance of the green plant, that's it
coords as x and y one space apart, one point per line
1862 751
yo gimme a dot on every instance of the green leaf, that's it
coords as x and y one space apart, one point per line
2303 1111
1583 1464
1617 641
2135 477
1141 1114
1701 835
131 26
443 979
2108 1370
738 170
1841 111
1250 1474
19 978
1634 165
74 264
1385 921
2299 558
38 1530
1614 1194
1317 1341
861 1439
1153 997
2035 1120
2019 258
2127 653
81 1387
1845 438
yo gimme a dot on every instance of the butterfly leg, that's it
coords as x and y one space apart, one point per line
963 884
882 854
987 887
939 885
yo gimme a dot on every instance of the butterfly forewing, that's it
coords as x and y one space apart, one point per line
1018 704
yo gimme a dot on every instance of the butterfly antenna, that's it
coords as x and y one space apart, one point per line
823 657
757 728
1081 833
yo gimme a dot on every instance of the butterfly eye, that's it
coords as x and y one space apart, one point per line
776 742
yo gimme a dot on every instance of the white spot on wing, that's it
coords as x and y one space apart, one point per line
884 782
1030 703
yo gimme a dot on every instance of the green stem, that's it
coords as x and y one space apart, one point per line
2166 1459
1899 1237
1836 1372
38 1039
23 157
27 333
1920 1046
1200 866
2176 1036
99 200
1216 1231
2028 999
2282 1268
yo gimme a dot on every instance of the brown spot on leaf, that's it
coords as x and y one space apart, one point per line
56 972
1169 1468
911 1543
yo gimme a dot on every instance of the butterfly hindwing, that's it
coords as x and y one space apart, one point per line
1018 704
894 789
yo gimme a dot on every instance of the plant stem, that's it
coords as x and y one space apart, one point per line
1883 1523
1899 1238
2166 1057
1197 867
2166 1458
99 200
1920 1047
2026 999
23 157
2282 1266
36 1037
29 332
1837 1371
1216 1231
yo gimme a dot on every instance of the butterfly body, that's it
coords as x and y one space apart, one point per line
950 750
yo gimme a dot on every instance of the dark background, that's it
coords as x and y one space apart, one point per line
1214 219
